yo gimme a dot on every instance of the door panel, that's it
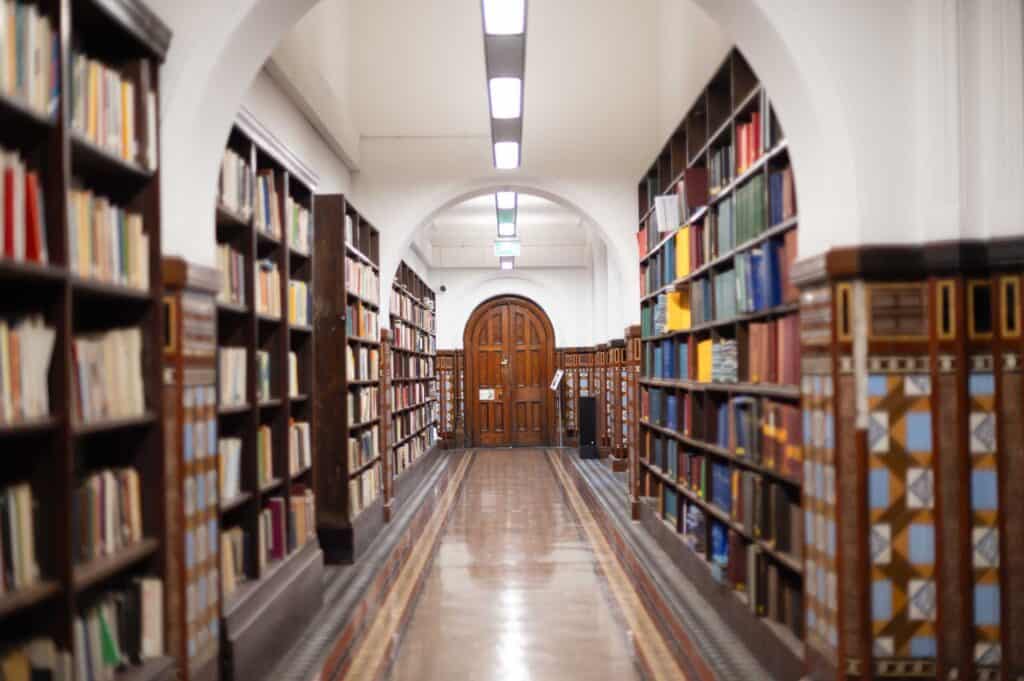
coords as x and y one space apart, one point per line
513 354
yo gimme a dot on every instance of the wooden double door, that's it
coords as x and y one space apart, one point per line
510 358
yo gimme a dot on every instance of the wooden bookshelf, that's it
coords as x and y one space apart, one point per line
273 329
54 453
714 457
449 379
413 390
348 468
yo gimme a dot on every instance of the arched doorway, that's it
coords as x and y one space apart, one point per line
510 356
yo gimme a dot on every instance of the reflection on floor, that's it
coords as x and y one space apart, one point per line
522 586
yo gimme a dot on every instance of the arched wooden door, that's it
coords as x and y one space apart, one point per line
510 357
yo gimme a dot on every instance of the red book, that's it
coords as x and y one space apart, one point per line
9 212
277 527
793 451
35 248
641 242
736 570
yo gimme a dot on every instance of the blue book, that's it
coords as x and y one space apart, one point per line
658 361
671 505
722 439
721 486
668 263
672 454
655 399
773 277
757 279
719 544
683 363
672 406
668 368
659 453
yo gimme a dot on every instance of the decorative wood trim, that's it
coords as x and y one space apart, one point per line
180 274
138 19
269 142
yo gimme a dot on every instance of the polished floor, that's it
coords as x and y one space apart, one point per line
516 590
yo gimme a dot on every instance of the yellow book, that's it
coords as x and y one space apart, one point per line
683 252
704 361
91 98
127 119
678 317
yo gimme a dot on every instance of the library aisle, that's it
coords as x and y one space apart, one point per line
522 586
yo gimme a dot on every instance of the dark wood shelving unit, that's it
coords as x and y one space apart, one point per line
346 307
682 499
55 454
248 647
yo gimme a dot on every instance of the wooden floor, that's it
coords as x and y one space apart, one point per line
518 584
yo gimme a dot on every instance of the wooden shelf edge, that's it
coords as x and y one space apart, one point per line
30 426
236 501
28 596
88 574
156 669
146 419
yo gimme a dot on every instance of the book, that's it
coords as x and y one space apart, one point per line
233 545
231 266
106 242
704 348
361 280
299 226
229 463
666 211
19 567
300 453
268 288
121 628
293 375
29 60
678 316
300 304
107 375
232 376
235 184
683 258
267 210
107 512
26 352
263 376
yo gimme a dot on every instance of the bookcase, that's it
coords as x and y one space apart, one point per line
77 418
720 448
348 466
267 549
447 396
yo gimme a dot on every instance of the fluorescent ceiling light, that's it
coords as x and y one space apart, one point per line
506 229
506 97
506 248
506 155
506 200
504 17
507 263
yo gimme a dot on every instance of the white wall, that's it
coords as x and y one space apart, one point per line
564 294
273 108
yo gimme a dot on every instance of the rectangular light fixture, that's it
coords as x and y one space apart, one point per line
507 263
506 97
506 229
506 155
504 17
506 248
505 200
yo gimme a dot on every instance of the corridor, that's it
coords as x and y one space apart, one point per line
520 588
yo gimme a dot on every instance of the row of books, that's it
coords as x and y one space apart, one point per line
30 58
229 467
412 310
107 513
108 375
362 363
407 423
721 167
294 389
37 658
267 209
232 376
18 565
363 489
362 280
773 351
26 351
300 229
22 210
300 451
115 110
781 195
300 304
362 404
406 337
407 394
361 321
363 447
233 546
748 142
766 511
106 242
411 366
407 453
236 184
751 219
122 628
231 266
264 455
268 288
263 376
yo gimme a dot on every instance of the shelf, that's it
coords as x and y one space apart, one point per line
237 501
266 239
28 596
146 419
365 301
413 379
363 467
413 407
300 328
266 318
722 453
95 571
302 471
414 434
157 669
778 311
409 322
271 484
232 409
364 424
301 397
296 253
86 154
109 291
29 427
14 110
232 308
711 509
226 216
359 384
31 272
791 392
363 341
272 403
355 252
754 168
420 353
